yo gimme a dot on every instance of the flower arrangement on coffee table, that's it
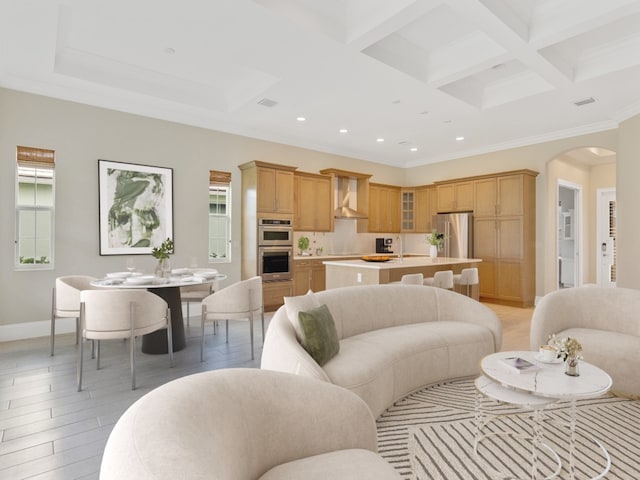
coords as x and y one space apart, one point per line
569 350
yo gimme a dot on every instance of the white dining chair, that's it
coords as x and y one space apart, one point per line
443 279
467 277
197 293
118 314
240 301
65 301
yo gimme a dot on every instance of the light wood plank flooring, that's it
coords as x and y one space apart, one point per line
48 430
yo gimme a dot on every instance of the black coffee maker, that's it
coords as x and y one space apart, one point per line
383 245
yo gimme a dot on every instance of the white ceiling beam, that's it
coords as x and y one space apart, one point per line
557 21
494 26
367 37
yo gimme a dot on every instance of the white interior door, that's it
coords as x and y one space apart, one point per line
606 245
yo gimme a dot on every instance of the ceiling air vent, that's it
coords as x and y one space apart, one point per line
585 101
267 102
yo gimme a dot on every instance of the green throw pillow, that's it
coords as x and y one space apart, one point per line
319 335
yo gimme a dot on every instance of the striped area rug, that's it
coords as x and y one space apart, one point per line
429 435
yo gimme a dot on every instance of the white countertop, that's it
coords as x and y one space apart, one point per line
338 256
418 261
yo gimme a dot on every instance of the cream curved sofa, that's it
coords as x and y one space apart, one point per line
394 339
604 320
245 424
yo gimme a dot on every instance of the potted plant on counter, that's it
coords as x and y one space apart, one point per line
435 241
303 245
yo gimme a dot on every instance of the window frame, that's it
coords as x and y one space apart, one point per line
219 180
34 160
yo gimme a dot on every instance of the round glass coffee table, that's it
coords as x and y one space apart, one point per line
546 384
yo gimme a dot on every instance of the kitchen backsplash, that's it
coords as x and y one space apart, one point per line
346 239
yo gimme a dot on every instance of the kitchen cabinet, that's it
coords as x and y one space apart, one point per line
455 197
308 275
267 192
273 294
275 190
384 208
504 237
426 206
313 206
408 210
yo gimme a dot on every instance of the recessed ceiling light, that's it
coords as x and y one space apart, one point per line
460 138
343 130
379 140
169 51
301 119
414 149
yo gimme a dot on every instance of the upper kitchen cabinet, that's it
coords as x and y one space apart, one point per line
501 195
455 197
408 210
313 206
273 186
384 208
426 206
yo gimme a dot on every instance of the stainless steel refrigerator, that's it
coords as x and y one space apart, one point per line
458 234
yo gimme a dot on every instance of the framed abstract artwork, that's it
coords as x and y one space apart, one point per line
136 207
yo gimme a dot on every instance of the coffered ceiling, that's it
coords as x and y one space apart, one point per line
419 74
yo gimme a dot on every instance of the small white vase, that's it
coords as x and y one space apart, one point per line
433 251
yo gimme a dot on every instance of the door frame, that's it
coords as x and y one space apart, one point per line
577 229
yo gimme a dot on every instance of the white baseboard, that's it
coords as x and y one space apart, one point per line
21 331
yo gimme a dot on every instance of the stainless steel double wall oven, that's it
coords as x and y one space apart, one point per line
275 249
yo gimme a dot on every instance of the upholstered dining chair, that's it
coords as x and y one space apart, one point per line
467 277
65 301
118 314
240 301
197 293
412 279
443 279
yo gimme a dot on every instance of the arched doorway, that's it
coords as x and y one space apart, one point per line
574 219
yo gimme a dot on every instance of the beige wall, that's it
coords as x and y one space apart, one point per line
602 177
81 134
627 202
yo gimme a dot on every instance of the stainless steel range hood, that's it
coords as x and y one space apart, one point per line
347 198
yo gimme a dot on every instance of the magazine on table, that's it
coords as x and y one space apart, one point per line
520 365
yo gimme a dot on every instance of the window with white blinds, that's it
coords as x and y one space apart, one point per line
34 201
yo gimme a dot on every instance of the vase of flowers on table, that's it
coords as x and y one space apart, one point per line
435 241
162 253
570 350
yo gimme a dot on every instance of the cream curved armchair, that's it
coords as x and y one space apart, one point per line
65 301
118 314
245 424
240 301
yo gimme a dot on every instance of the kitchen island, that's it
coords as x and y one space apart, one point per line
345 273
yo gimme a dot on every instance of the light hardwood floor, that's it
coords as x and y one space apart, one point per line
48 430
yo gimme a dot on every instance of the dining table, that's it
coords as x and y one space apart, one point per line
167 288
